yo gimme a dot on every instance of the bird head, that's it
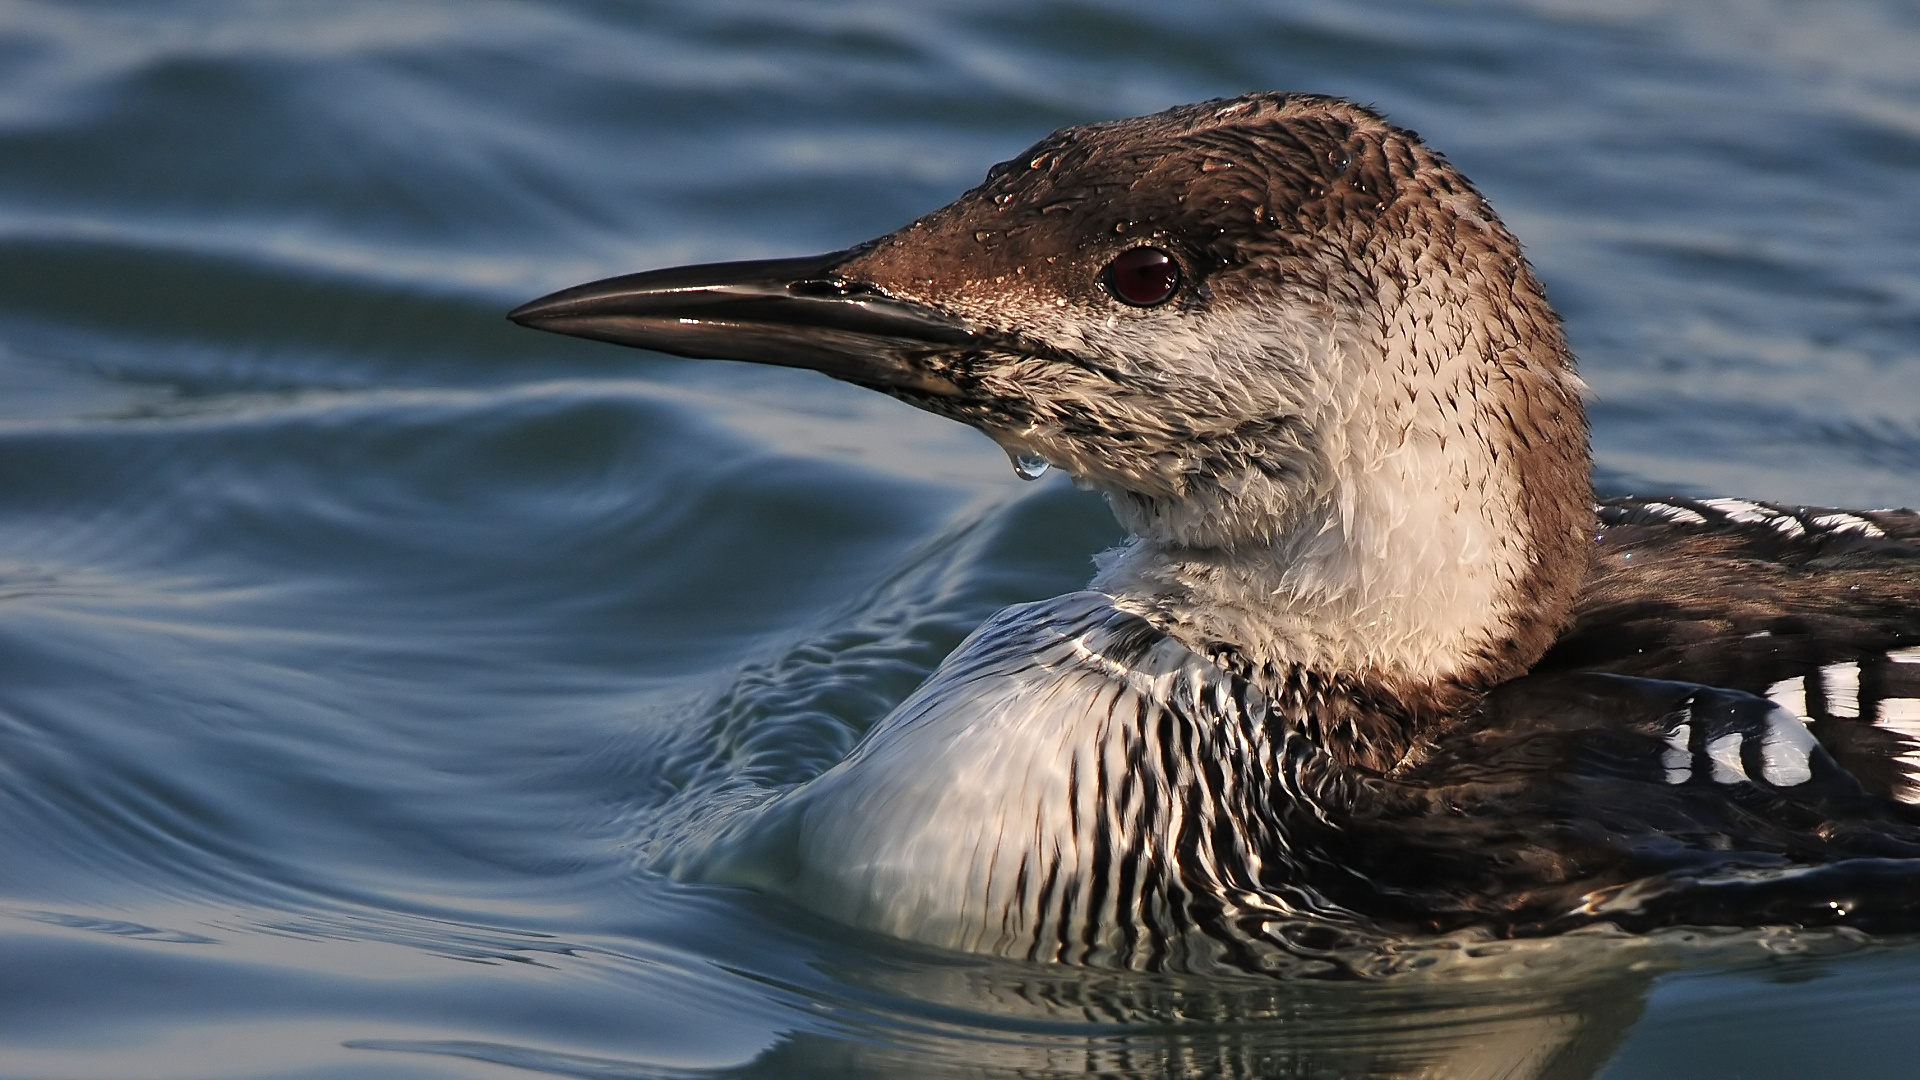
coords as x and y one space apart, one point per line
1243 320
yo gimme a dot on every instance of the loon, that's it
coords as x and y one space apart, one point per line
1372 658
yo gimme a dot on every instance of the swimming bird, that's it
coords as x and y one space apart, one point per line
1372 658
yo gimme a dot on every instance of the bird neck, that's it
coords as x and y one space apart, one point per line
1438 554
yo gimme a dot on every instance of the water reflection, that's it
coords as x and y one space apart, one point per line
1484 1010
371 635
1533 1019
1071 1025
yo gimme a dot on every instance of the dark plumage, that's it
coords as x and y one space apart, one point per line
1372 661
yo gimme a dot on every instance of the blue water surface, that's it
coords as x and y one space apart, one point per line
352 639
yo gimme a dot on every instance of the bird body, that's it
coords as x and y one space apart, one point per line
1370 659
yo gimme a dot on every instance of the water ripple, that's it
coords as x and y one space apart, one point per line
356 645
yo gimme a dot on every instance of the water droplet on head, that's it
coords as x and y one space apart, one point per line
1028 466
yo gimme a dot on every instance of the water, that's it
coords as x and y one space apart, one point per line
351 638
1030 466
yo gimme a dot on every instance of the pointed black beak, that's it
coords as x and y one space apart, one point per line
791 312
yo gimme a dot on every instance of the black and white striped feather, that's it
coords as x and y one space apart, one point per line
1075 785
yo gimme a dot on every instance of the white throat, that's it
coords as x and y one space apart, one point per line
1395 576
1403 548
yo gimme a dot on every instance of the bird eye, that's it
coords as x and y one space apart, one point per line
1143 276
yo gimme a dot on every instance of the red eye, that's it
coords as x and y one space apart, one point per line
1143 276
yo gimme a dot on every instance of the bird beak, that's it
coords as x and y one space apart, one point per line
791 312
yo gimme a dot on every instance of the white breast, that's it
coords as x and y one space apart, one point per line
1066 786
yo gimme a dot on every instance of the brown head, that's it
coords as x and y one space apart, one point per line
1295 348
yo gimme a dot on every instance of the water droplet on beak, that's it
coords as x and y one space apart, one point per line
1028 466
